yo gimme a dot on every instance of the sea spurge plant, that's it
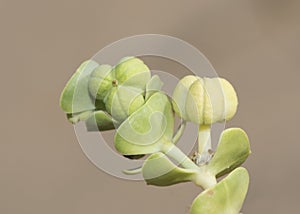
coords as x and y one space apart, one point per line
127 98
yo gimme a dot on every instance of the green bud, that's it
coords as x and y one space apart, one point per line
100 81
122 87
204 100
180 95
123 101
132 72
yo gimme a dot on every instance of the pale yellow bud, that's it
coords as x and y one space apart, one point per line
205 100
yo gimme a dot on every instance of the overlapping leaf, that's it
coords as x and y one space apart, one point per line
160 171
148 128
233 149
75 97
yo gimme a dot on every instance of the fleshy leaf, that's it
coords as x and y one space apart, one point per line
146 130
226 197
154 85
75 96
233 149
100 121
76 117
160 171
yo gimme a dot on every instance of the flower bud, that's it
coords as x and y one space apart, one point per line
204 100
123 101
100 81
122 87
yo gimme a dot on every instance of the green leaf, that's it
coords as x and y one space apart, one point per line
154 85
76 117
226 197
148 128
75 96
233 149
160 171
100 121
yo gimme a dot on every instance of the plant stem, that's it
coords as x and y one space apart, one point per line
204 144
174 152
179 132
202 178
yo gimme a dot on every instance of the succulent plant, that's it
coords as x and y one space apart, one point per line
127 98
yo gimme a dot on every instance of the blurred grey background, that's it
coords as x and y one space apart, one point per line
253 43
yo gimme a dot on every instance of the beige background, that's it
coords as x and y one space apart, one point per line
255 44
